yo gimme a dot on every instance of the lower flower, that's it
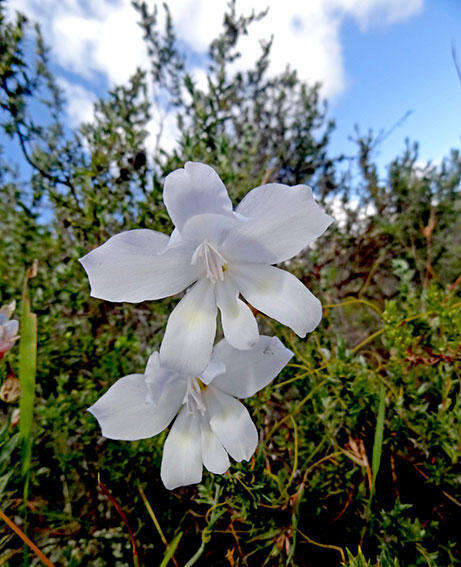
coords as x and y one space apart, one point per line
211 423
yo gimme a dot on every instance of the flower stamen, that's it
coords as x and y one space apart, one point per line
214 261
193 397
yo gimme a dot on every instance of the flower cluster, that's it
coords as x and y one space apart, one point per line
220 256
211 422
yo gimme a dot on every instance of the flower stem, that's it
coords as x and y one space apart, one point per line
206 534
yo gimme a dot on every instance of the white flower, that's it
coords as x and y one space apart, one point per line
223 253
211 423
8 328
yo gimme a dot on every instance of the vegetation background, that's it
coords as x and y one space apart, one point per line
359 435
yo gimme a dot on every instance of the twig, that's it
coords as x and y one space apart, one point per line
323 545
455 60
383 135
43 173
426 477
372 272
156 522
296 410
455 284
122 515
351 301
239 549
295 460
367 340
345 507
9 554
26 540
320 461
290 380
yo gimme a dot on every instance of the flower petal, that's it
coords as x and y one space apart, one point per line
182 452
190 331
239 324
130 267
194 190
11 328
214 456
6 311
284 219
280 295
231 423
213 369
160 379
248 371
124 411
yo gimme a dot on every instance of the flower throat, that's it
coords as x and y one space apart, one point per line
215 263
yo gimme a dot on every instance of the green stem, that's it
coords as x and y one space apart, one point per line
206 534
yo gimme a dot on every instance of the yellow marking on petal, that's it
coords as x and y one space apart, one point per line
185 439
202 386
265 286
194 316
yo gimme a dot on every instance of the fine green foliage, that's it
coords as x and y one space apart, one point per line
8 443
358 459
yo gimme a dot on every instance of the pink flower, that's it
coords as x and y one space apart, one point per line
8 328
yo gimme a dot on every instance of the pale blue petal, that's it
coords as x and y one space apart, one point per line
231 423
195 190
214 455
126 412
248 371
190 331
238 322
182 452
131 267
280 295
283 219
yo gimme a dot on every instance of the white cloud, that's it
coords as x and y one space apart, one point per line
103 37
200 78
79 102
378 12
108 42
162 130
106 38
339 211
307 33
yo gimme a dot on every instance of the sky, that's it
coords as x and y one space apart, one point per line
377 60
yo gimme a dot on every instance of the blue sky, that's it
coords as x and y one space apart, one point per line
377 59
400 68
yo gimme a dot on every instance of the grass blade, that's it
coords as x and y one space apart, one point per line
171 549
379 431
27 370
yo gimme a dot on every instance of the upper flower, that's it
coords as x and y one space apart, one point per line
224 253
211 423
8 328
